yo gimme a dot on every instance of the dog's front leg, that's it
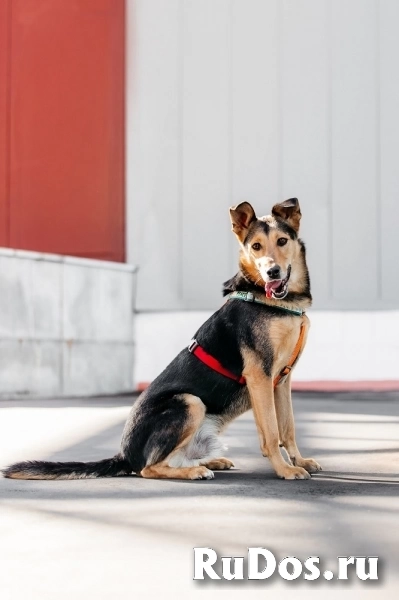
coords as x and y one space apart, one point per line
286 426
261 392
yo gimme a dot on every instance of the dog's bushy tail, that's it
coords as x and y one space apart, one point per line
37 469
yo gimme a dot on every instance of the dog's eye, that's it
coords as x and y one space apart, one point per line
256 246
282 241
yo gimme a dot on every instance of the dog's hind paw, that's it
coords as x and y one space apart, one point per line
219 464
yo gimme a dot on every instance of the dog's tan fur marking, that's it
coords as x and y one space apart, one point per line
22 475
196 416
162 471
262 399
249 268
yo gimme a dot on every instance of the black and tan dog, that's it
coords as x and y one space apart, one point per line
241 358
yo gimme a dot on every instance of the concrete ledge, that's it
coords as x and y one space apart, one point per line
346 386
66 325
326 386
344 348
72 260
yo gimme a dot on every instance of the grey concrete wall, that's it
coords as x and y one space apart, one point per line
263 100
66 325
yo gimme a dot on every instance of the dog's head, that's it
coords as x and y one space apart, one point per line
270 249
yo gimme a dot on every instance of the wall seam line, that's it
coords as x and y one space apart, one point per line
180 163
378 215
280 95
330 153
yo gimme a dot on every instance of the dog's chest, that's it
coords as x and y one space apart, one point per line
283 336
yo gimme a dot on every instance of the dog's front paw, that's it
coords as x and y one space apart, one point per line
293 473
309 464
201 473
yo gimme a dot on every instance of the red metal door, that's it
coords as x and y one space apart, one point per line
66 175
4 96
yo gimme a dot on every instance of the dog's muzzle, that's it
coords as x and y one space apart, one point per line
278 288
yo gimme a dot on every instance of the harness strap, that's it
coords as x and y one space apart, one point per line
217 366
212 362
293 358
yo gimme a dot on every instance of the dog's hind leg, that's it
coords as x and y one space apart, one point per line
160 469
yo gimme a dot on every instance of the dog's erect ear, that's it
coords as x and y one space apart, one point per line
289 212
241 217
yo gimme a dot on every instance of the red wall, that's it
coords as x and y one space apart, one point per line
62 126
4 44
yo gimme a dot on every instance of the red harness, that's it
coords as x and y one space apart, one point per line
213 363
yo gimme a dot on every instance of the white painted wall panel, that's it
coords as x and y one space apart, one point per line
389 143
153 150
354 151
261 100
205 143
305 143
255 106
255 103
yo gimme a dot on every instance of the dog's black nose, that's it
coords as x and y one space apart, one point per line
274 272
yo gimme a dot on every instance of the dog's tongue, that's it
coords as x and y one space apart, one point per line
270 286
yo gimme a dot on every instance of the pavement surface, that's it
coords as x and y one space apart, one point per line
134 538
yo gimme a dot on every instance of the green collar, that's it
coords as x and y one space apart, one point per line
249 297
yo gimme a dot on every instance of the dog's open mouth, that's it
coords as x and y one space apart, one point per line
278 288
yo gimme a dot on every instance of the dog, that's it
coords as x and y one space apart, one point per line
240 358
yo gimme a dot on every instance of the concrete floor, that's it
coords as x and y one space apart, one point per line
134 538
